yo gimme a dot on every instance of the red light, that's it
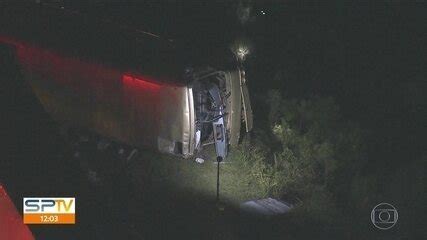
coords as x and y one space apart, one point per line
72 72
140 82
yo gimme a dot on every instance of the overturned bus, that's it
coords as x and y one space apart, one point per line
125 84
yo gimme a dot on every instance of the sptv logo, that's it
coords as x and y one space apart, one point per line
49 210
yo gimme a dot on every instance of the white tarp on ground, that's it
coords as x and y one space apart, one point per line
267 206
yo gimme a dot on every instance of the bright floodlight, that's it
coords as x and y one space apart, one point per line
241 48
242 52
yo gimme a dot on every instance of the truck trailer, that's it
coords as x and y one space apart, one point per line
127 84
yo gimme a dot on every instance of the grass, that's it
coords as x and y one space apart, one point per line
188 176
182 195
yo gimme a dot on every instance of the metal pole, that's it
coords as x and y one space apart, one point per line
218 160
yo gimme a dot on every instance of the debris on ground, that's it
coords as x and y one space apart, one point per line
132 154
266 207
200 160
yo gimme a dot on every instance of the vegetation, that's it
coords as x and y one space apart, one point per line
304 152
304 148
310 153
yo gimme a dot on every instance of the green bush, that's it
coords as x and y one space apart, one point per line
304 146
309 152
